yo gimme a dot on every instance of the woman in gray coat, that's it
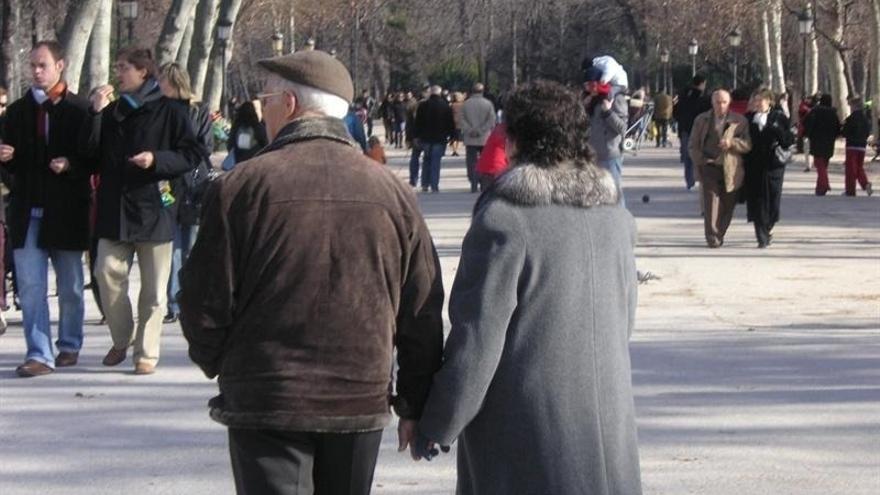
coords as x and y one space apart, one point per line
536 379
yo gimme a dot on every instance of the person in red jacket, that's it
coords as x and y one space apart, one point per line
493 159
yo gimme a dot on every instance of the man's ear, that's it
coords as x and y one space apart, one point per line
290 103
61 65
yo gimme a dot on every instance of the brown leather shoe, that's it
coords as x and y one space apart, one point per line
144 369
33 368
66 359
114 356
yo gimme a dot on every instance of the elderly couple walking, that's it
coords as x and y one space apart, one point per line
313 264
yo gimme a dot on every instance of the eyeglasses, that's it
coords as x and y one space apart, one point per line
265 96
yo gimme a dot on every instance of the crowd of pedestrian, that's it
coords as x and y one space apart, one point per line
301 274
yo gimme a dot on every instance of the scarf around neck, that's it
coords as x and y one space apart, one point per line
54 93
129 102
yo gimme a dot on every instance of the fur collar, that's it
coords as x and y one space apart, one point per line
306 129
530 185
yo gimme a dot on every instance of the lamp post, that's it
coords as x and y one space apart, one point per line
128 10
693 49
224 32
310 44
805 27
664 60
734 38
277 44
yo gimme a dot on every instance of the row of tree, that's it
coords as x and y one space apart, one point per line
401 44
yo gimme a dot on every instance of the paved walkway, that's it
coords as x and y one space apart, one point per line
756 371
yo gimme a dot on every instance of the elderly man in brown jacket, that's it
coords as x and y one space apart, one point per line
718 141
311 265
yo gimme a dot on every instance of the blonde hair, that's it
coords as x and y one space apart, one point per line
179 78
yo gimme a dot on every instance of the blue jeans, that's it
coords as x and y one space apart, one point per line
184 239
32 273
684 137
615 166
433 155
414 163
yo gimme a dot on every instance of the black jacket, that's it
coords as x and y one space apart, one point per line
764 171
822 128
192 183
434 122
66 197
258 141
856 129
130 204
690 104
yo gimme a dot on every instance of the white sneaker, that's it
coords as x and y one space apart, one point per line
3 323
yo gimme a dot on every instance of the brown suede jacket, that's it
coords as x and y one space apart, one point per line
311 265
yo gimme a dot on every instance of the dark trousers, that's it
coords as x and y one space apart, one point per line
270 462
415 161
718 205
662 130
472 156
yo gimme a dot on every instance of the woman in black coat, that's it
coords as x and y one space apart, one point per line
175 85
822 128
765 164
143 143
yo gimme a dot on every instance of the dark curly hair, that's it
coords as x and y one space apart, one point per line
548 123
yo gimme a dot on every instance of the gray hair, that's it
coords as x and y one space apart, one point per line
436 90
312 99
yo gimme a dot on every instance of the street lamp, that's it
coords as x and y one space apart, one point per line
664 60
278 44
805 27
224 32
693 49
734 38
310 44
128 10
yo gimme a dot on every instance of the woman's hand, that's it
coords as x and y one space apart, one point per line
144 160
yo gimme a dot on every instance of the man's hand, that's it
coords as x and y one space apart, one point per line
606 105
406 435
101 97
59 165
144 160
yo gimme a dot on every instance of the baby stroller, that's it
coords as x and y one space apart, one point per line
638 131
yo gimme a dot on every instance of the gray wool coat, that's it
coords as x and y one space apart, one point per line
536 379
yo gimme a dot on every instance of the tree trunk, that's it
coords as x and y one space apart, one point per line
10 11
186 42
874 75
767 53
776 49
202 44
837 67
173 30
75 37
99 49
291 26
213 95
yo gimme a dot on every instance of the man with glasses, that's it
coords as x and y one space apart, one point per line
49 214
311 265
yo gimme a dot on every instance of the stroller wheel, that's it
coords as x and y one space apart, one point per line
629 144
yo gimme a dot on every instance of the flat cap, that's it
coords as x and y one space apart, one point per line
315 69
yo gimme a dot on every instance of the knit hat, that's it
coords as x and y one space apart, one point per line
315 69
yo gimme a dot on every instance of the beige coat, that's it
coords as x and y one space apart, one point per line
704 143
